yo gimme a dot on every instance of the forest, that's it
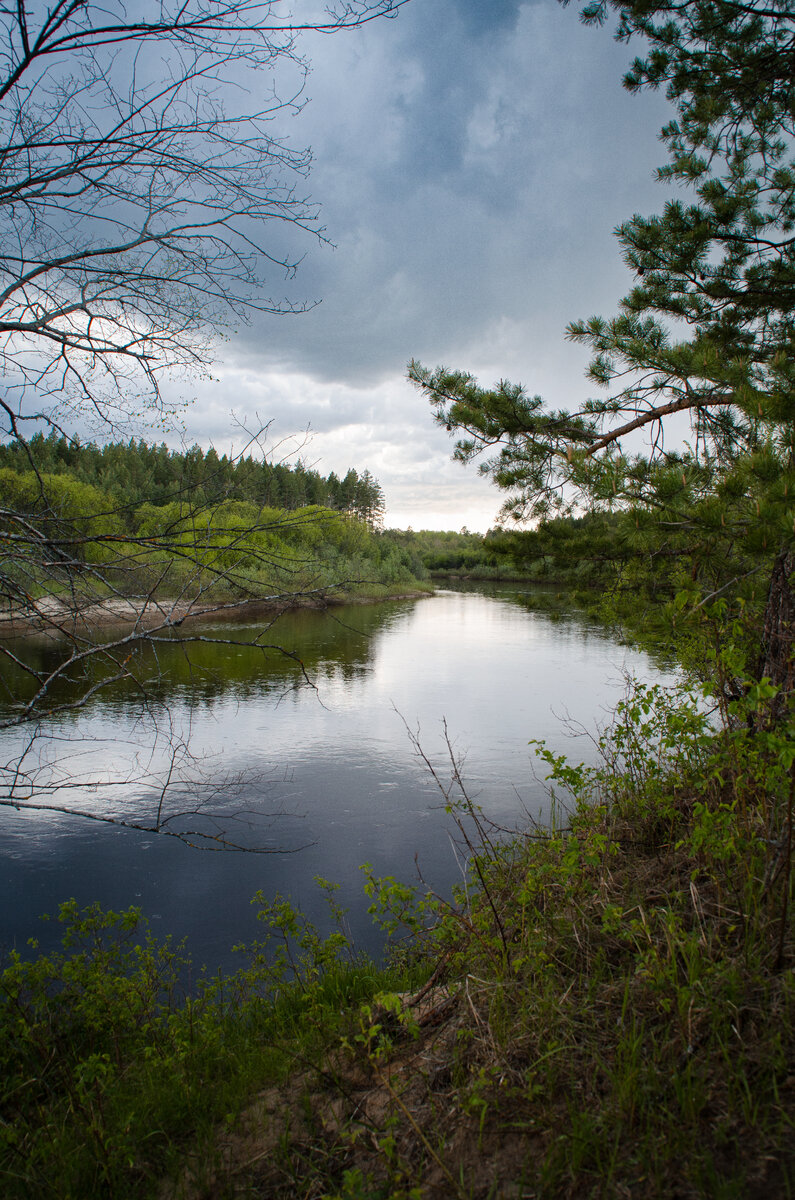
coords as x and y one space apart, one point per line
135 473
588 551
130 520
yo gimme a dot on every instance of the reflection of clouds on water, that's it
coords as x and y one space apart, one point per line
151 776
329 768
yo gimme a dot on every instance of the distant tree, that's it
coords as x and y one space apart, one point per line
316 491
369 503
347 491
707 330
334 490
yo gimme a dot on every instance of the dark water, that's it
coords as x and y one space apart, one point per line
322 773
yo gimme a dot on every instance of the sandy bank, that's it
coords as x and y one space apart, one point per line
53 616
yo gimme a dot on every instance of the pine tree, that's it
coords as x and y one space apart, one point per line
707 330
369 503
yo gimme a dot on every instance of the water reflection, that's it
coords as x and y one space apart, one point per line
325 771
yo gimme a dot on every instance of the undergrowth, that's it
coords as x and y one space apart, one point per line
607 1008
111 1071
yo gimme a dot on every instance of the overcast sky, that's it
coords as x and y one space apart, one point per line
472 158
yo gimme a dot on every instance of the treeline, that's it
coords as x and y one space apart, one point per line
578 550
446 552
135 472
585 550
133 520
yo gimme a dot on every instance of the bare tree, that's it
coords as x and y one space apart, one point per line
146 190
143 180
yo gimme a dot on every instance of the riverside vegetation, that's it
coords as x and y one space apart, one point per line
145 522
586 551
604 1008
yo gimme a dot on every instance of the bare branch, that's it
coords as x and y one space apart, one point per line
149 195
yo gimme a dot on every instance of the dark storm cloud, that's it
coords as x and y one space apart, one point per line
453 42
476 17
471 161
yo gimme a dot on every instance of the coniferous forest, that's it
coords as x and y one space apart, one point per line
134 473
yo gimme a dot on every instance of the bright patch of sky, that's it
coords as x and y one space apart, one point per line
471 161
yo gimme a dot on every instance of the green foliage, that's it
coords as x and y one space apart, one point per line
706 331
74 519
110 1067
608 1009
586 550
582 551
136 473
447 552
190 545
95 1038
251 548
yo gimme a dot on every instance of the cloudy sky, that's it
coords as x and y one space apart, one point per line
472 158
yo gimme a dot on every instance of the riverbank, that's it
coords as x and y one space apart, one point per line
55 616
606 1009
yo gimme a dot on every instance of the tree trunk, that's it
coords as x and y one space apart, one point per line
776 657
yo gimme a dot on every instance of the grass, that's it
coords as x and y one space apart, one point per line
605 1009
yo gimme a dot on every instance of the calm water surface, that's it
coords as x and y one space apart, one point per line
323 773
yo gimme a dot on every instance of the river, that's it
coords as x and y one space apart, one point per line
316 764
